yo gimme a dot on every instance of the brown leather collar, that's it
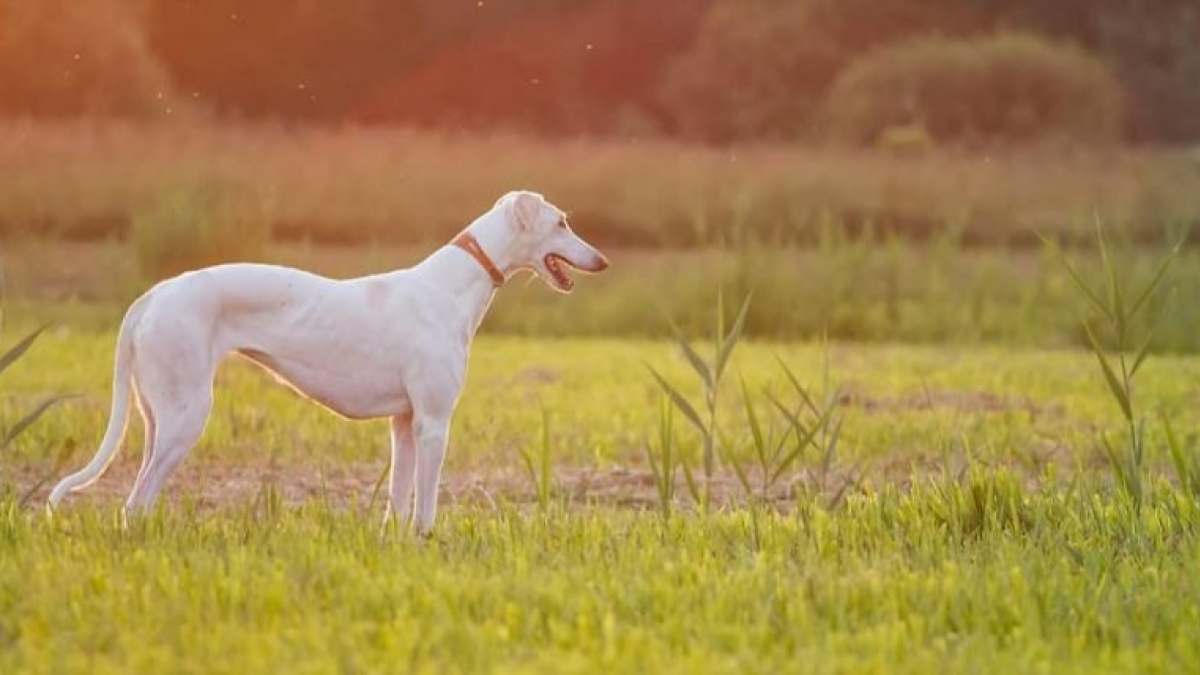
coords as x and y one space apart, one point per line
468 243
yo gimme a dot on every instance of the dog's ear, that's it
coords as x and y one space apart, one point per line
524 209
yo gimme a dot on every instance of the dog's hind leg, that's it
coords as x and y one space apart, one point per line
118 419
177 428
174 385
148 425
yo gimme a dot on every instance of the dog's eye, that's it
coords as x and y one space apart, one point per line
562 223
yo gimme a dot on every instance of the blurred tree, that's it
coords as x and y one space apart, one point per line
574 67
756 69
713 69
62 57
760 68
550 65
288 58
1151 46
1157 55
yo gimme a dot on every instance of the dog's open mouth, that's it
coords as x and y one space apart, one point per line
557 266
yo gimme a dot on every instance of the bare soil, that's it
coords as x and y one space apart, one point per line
213 486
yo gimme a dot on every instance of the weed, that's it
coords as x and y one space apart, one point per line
814 425
10 435
1185 456
1129 461
709 374
808 425
539 469
665 460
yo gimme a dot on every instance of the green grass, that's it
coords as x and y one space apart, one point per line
862 290
887 583
983 531
901 402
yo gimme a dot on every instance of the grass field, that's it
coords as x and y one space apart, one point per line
968 521
955 510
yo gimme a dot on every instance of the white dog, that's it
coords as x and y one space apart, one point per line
390 345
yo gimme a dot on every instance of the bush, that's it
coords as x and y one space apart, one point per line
1009 87
196 225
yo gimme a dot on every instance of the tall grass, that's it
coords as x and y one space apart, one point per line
196 224
91 179
861 289
868 288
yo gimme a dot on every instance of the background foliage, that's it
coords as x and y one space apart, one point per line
1008 88
714 69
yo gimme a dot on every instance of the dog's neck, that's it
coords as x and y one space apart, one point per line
462 276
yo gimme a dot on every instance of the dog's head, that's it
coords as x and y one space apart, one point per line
542 240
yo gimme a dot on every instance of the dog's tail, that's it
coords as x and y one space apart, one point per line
118 419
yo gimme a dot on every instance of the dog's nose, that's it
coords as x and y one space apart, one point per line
601 262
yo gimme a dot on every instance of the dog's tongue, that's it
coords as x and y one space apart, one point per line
556 265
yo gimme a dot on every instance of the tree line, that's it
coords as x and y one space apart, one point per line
864 71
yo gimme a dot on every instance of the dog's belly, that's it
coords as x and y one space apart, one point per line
353 392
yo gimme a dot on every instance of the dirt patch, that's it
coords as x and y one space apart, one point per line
537 376
219 485
965 401
360 485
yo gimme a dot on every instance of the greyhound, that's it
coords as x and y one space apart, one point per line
389 345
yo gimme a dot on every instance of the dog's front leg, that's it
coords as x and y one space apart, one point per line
432 434
404 464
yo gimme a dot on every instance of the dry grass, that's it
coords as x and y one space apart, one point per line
356 184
